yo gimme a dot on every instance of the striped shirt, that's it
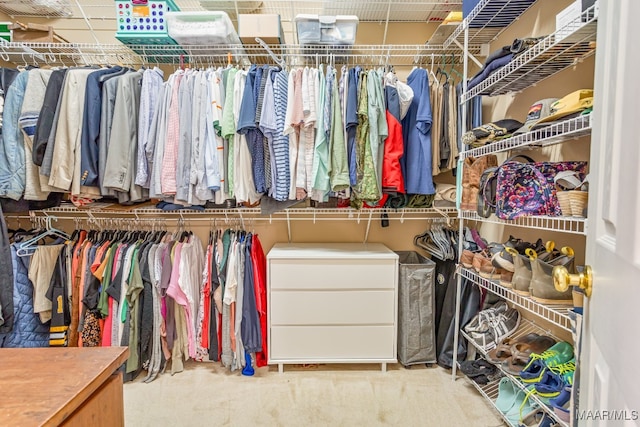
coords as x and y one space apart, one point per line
266 155
269 126
281 141
229 127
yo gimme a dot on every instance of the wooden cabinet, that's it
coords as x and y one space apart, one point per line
62 386
332 303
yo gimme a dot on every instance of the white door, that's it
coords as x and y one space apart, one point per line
610 361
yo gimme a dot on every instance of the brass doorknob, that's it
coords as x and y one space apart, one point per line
562 279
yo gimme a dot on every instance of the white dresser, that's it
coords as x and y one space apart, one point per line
332 303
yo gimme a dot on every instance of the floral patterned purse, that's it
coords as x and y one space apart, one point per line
528 188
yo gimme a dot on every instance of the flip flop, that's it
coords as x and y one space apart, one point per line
522 407
506 395
503 350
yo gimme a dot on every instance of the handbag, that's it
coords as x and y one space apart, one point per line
487 193
528 188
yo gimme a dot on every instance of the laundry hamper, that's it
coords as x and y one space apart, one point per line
416 297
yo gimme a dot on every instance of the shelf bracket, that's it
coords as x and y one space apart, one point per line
288 226
473 58
366 234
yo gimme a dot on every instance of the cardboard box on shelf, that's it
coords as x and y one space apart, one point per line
266 26
35 33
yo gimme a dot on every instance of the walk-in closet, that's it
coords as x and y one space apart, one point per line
318 212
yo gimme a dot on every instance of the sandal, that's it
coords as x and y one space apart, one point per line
521 352
503 350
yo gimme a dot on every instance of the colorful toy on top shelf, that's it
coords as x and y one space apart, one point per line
143 22
135 17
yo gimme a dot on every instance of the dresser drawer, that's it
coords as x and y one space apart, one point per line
332 307
315 343
332 274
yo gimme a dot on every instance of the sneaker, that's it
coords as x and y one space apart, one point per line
502 326
542 288
481 320
557 355
555 379
560 404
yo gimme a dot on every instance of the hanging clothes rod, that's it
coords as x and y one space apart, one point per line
436 215
288 54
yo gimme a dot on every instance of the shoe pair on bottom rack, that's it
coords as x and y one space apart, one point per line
514 402
548 374
492 325
519 409
480 371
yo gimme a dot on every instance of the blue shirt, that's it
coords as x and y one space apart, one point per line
13 175
416 130
247 125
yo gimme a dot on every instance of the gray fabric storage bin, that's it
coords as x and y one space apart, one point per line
416 297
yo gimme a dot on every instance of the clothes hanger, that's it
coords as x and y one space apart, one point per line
452 70
432 75
28 247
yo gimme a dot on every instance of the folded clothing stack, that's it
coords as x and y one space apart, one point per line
502 57
489 132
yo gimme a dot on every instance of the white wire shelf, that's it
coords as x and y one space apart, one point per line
48 9
555 314
564 224
293 54
557 133
291 214
548 57
526 327
488 19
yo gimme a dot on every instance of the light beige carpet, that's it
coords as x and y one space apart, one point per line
205 394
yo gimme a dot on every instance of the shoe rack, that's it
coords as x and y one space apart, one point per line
554 53
490 390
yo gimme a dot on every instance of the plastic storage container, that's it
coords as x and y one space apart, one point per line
416 309
201 28
327 30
